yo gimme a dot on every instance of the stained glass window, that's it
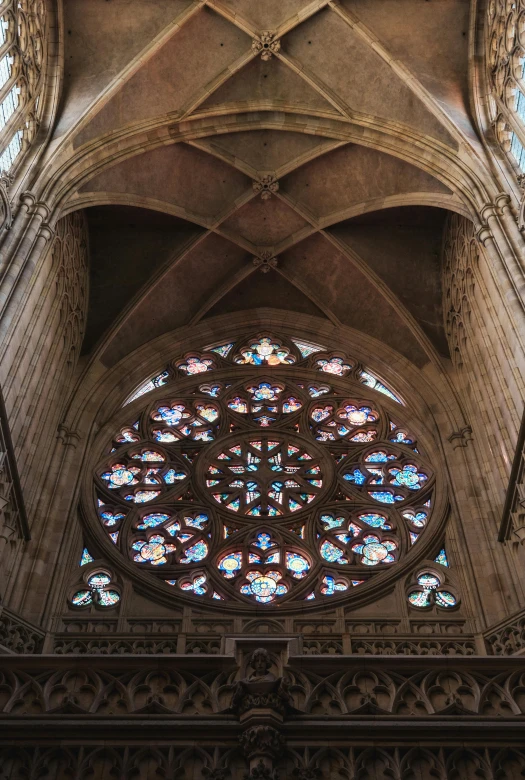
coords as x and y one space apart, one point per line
97 591
371 381
262 486
23 53
506 71
151 384
430 591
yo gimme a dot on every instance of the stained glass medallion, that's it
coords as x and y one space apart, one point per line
264 476
265 351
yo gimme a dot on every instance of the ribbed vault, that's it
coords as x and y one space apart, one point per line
176 125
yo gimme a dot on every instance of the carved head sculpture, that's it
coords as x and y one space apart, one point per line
260 662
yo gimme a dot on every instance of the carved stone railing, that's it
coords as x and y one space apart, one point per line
17 635
307 717
332 644
507 637
435 689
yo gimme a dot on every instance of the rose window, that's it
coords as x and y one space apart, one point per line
287 474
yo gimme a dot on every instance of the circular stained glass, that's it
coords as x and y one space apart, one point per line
153 551
230 564
357 417
429 581
82 598
108 598
375 551
99 580
419 598
407 477
264 587
445 599
121 477
297 563
288 482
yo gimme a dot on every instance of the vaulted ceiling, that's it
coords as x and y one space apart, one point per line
198 142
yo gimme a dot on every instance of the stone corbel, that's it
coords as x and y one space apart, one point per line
461 438
34 207
503 203
67 436
483 233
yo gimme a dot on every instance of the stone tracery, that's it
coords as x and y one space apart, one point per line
506 67
23 49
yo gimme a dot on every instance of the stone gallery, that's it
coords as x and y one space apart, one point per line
262 352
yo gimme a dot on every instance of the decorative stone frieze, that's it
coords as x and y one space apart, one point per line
19 636
149 762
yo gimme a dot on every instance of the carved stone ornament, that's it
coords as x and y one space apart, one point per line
6 215
217 773
261 690
262 741
461 438
261 772
265 262
266 45
266 185
306 773
520 219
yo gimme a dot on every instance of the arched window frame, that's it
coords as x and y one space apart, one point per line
23 57
505 58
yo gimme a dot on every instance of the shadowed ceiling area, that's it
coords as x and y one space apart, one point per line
215 141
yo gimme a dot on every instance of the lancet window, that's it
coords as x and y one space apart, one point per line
506 73
22 57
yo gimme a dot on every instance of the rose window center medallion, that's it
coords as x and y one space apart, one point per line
264 476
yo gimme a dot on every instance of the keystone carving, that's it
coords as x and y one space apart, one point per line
266 45
264 741
265 262
266 185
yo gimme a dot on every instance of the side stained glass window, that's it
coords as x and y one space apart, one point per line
505 57
264 470
22 57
